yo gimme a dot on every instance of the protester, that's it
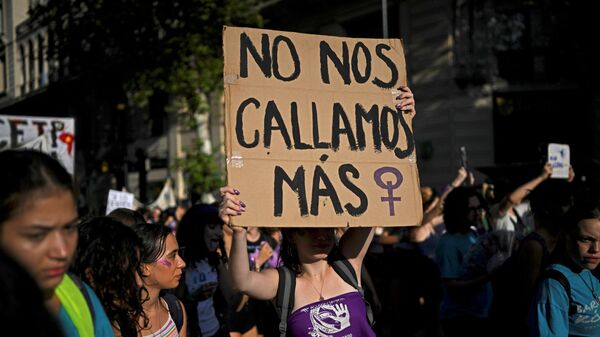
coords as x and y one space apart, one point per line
466 301
161 269
267 256
567 301
38 228
428 234
245 316
108 258
22 302
515 281
156 215
274 238
200 234
322 301
306 252
513 212
127 216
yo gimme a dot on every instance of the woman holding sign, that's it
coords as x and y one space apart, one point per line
317 290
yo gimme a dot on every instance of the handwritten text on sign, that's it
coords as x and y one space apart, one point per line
313 135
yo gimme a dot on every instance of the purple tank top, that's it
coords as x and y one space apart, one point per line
341 316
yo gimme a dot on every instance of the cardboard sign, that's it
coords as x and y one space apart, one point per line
559 155
52 135
118 199
313 138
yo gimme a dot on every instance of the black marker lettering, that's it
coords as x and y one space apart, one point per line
263 62
296 184
293 54
328 191
389 143
394 76
272 114
298 144
360 78
239 123
410 139
342 66
315 122
372 117
340 115
364 201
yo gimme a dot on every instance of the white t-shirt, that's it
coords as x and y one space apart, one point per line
508 221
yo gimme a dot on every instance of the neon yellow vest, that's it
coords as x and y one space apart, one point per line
74 303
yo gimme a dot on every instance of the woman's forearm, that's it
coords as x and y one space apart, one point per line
238 261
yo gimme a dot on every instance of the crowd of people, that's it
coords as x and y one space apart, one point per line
523 263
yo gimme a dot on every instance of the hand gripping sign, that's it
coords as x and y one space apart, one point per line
313 135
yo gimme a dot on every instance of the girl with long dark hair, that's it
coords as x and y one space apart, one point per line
108 258
200 232
161 269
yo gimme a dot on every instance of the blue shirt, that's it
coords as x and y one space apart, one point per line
450 256
102 327
549 315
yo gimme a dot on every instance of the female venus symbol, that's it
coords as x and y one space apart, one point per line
388 185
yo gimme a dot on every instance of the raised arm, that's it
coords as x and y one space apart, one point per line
354 245
458 180
259 285
517 196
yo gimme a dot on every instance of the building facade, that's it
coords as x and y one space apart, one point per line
486 75
500 78
24 69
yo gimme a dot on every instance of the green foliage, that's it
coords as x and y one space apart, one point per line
201 169
174 46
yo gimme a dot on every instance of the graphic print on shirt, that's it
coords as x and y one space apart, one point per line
202 280
588 314
329 319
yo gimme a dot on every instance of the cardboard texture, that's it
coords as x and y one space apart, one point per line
313 138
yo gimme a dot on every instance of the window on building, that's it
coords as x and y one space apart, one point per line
43 77
23 61
31 65
52 64
3 84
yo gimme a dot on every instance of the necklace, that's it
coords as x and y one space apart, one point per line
319 292
590 286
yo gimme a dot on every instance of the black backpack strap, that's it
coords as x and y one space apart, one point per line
345 270
175 309
562 279
285 297
79 283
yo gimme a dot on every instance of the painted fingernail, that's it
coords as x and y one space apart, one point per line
242 204
236 191
239 213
